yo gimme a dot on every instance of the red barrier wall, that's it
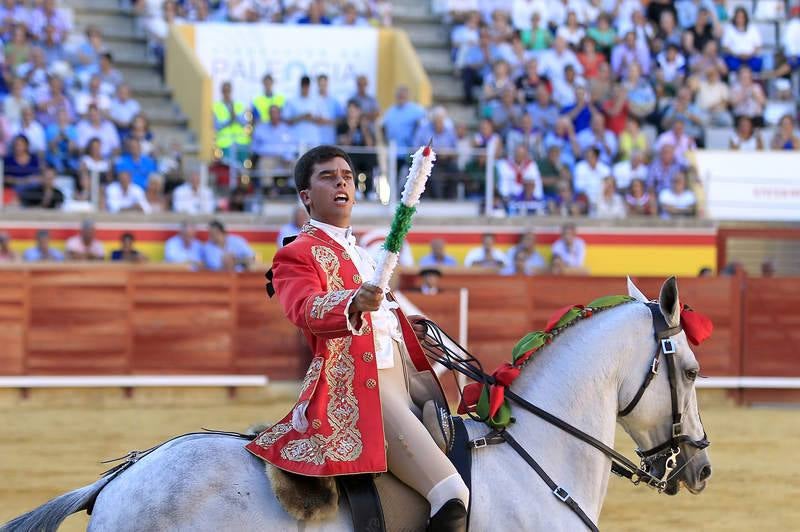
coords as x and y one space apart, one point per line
99 319
503 309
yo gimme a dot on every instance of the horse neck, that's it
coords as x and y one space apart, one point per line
577 379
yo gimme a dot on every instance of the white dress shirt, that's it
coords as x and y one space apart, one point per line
385 325
187 200
118 199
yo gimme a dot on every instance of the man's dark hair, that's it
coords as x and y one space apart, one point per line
322 76
305 81
127 236
305 164
216 224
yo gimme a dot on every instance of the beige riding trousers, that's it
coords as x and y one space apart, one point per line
412 455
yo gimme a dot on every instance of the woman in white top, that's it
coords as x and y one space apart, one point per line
741 43
609 204
746 138
93 161
572 32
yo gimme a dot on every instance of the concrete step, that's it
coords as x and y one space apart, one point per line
133 69
429 35
165 135
147 101
163 108
436 61
100 6
446 88
109 24
406 14
148 87
463 114
126 47
399 5
170 120
117 32
127 50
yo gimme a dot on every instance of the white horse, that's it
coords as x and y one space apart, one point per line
585 377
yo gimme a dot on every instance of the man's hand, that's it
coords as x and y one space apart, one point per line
367 299
418 326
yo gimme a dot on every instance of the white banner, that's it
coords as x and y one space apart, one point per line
243 53
763 186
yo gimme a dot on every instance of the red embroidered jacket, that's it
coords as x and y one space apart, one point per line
336 427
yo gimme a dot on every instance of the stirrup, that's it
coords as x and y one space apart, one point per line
436 419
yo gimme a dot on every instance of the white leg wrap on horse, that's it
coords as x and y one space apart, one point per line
452 487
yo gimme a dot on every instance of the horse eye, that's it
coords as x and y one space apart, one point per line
691 374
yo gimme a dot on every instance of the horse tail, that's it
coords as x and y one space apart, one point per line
49 516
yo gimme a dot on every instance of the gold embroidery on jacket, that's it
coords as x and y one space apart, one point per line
273 434
314 369
344 443
329 263
324 304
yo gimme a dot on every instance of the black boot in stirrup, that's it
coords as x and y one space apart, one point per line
452 517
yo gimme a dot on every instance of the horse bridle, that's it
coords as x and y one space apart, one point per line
671 447
620 465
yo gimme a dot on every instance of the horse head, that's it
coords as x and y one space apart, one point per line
661 413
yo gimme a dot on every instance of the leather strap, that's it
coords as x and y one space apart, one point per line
559 492
364 501
461 455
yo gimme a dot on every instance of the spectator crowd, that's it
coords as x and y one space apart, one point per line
595 104
224 251
221 251
589 107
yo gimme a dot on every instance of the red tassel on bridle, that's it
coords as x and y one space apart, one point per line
503 377
698 327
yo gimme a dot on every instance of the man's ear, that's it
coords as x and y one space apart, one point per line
305 198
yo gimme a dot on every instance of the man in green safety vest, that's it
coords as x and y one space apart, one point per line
263 102
231 127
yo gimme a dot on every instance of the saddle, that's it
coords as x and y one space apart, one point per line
318 498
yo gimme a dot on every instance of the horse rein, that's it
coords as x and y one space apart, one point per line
620 465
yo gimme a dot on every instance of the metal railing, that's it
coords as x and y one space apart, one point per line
465 174
380 180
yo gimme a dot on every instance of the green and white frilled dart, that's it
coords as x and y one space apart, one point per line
418 174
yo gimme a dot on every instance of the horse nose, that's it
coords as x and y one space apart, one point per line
705 472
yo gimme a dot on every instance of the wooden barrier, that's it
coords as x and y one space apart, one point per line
503 309
117 321
97 320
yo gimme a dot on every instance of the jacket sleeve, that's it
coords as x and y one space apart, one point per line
305 300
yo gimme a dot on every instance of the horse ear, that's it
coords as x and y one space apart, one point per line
668 302
634 292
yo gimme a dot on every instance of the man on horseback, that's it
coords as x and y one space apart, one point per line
355 413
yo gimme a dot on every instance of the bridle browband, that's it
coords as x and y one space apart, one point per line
620 465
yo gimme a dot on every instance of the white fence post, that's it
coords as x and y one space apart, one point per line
463 328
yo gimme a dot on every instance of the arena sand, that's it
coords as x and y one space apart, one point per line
52 442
